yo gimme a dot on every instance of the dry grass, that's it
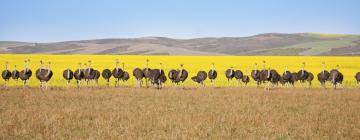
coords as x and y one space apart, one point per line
204 113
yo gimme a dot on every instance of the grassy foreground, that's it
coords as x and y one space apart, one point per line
203 113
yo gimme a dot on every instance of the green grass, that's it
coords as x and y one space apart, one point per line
320 47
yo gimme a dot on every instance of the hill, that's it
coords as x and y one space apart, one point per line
262 44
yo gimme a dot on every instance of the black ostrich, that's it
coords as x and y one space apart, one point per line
323 76
15 74
357 78
90 73
44 75
212 74
117 73
106 74
274 77
336 77
182 75
293 78
200 78
6 74
255 74
286 77
177 76
245 79
126 75
25 74
303 75
238 74
146 72
79 75
68 75
157 77
229 73
139 75
172 76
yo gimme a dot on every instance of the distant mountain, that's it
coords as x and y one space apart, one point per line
262 44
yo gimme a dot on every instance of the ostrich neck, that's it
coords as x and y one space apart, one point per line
231 71
48 72
68 73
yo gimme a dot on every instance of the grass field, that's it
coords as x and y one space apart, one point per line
348 65
197 113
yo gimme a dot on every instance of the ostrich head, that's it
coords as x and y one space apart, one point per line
123 66
181 67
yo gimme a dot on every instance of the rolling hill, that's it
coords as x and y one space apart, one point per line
262 44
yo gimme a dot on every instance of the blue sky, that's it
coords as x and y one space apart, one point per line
60 20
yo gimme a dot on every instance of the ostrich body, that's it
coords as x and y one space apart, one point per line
238 74
25 74
357 78
255 74
157 76
323 76
229 73
68 75
212 74
79 75
44 75
336 77
139 75
15 74
6 74
117 73
106 74
200 77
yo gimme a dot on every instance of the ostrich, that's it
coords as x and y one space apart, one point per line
212 74
68 75
126 75
255 74
302 75
173 75
336 76
274 77
182 75
245 79
139 75
96 77
310 78
357 77
146 72
264 73
323 76
229 73
157 76
238 74
286 77
15 74
106 74
200 78
6 74
44 75
25 74
90 73
117 73
79 75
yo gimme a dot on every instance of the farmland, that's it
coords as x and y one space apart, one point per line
191 113
348 65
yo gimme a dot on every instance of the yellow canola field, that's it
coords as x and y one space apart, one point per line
348 65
